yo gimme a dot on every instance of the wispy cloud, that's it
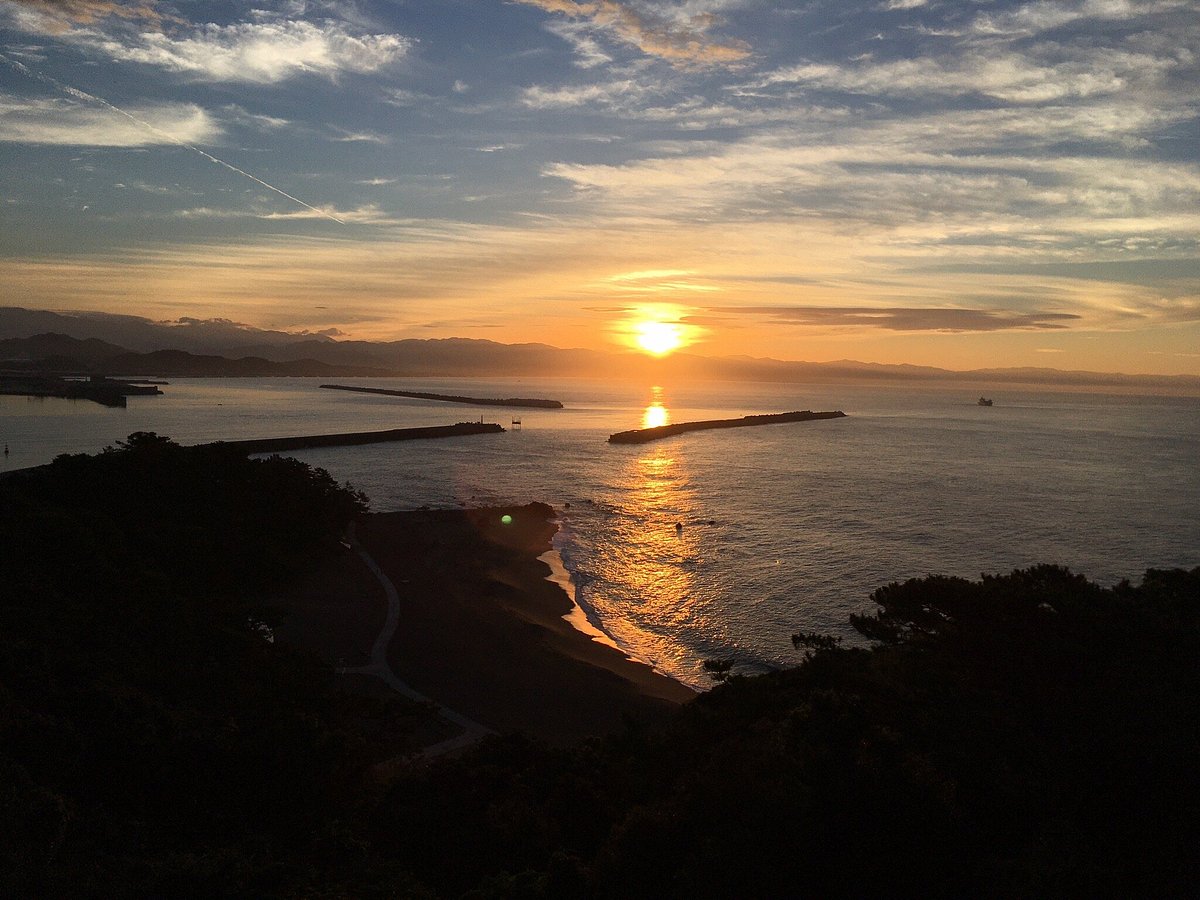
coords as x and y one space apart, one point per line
891 174
68 122
263 52
1045 75
346 136
238 115
404 98
273 48
1043 15
609 93
907 319
362 215
60 15
588 52
678 33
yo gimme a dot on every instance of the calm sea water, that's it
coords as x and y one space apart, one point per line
785 527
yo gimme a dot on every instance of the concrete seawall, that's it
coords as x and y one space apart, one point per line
644 435
519 402
353 439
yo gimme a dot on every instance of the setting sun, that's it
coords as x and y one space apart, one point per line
659 338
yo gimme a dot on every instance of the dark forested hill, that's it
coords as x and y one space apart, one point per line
1030 734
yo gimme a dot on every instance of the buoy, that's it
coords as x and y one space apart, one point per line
679 526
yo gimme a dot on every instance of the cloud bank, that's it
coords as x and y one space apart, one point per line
908 319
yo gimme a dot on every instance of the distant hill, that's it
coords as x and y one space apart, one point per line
60 353
139 334
449 356
41 347
128 345
181 363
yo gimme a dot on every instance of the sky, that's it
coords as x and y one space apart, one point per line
961 184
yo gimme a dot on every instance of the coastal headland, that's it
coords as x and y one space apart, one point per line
356 438
481 629
644 435
519 402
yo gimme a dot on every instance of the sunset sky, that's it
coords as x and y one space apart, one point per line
960 184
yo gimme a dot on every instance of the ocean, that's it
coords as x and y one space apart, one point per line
725 543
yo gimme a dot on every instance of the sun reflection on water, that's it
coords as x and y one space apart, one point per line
656 413
658 500
655 564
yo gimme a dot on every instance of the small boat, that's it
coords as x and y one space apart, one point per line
985 401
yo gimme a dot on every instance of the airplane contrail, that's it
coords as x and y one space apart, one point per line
92 98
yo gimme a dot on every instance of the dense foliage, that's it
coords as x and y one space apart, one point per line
1025 735
1030 734
151 740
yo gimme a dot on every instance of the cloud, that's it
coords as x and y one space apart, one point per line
908 319
271 49
240 116
911 182
674 33
67 122
363 215
610 93
564 270
60 15
1047 75
588 52
404 98
1044 15
346 136
258 52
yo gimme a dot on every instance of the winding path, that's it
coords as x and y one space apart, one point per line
381 668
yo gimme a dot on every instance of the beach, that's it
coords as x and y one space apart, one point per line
481 628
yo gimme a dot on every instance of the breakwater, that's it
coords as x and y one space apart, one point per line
522 402
644 435
355 438
105 391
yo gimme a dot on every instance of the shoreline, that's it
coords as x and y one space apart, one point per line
577 617
486 627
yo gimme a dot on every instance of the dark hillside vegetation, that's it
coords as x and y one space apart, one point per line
1030 734
1025 735
152 742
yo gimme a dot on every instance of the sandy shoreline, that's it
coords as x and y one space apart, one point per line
482 629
